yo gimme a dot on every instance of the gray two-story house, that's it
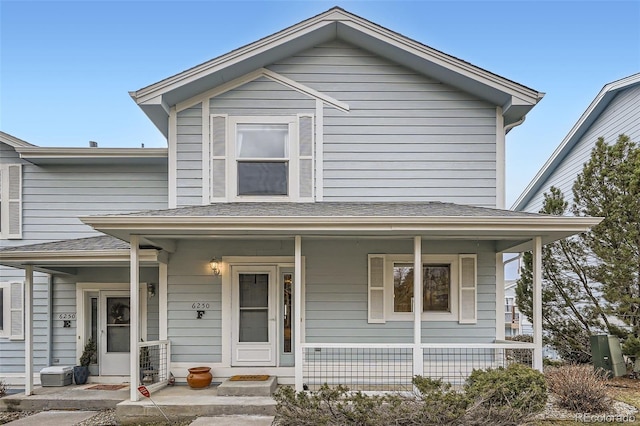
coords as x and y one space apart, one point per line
330 208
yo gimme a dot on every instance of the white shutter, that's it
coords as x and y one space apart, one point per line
218 157
468 309
305 153
14 201
17 311
376 289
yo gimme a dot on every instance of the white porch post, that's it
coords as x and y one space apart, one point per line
162 300
134 327
537 303
28 330
418 364
297 314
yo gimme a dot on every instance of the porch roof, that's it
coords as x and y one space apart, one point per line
64 257
432 220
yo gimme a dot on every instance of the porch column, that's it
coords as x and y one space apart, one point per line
28 330
297 314
537 303
162 300
134 310
418 364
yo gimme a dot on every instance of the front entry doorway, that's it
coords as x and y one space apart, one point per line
115 323
254 316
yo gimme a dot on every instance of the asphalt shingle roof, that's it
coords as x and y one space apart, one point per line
103 242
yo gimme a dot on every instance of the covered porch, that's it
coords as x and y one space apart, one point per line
343 329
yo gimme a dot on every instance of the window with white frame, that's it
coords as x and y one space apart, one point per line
10 201
448 288
12 310
262 158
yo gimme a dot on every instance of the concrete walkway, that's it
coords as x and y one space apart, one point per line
57 418
233 421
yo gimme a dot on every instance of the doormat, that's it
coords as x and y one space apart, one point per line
249 378
107 387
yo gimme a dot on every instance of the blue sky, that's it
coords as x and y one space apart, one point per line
66 67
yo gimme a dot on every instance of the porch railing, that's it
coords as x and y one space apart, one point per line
389 367
154 359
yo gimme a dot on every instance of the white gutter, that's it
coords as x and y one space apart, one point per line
36 152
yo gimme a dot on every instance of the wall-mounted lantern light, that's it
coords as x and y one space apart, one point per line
215 266
151 290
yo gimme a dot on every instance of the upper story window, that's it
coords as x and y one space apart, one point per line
262 158
10 201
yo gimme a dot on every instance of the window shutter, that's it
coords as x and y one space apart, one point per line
376 289
17 311
305 146
468 309
218 157
15 201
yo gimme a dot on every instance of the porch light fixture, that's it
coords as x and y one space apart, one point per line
151 290
215 266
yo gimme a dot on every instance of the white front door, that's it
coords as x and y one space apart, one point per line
254 322
115 323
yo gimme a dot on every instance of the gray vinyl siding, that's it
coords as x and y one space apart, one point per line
64 300
189 156
54 196
405 138
622 116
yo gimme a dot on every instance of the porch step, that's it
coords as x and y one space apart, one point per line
248 387
73 397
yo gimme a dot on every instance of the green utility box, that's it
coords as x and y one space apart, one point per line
607 354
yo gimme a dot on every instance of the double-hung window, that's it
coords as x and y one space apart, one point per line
262 158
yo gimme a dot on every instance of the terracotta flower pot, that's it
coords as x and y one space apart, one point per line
199 377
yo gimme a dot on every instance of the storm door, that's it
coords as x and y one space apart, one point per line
254 320
115 324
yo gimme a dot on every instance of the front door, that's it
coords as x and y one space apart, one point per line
254 320
114 333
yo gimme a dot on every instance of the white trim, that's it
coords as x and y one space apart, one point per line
134 331
298 314
6 201
12 140
451 259
163 305
37 153
254 75
500 299
75 257
293 158
223 157
206 154
318 182
418 362
537 303
500 160
28 330
172 171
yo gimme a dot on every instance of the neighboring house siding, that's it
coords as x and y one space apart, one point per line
622 116
405 138
189 156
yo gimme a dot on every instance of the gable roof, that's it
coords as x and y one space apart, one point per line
157 99
597 106
13 141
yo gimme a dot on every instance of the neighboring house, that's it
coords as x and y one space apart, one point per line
615 111
332 211
515 323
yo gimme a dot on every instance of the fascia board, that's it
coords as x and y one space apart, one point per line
596 107
231 58
60 257
442 223
13 141
35 153
444 60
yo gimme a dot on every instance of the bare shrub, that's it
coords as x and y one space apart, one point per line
3 388
579 388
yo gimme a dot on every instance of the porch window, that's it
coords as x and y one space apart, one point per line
436 287
449 284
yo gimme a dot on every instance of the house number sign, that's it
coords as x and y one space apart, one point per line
200 306
67 316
